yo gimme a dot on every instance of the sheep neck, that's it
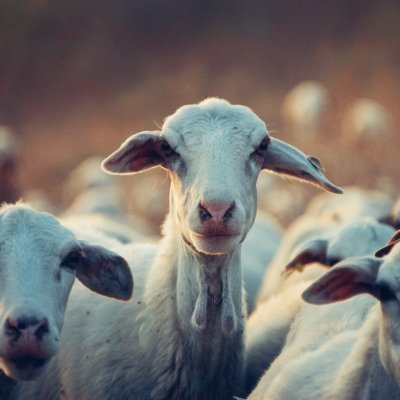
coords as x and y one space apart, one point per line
206 325
362 375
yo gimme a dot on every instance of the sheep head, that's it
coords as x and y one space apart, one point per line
214 152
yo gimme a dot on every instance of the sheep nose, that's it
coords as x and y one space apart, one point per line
216 210
26 326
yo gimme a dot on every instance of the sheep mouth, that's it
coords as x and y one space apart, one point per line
215 237
215 243
23 368
28 362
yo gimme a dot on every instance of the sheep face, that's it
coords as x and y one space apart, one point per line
217 157
39 260
355 238
214 152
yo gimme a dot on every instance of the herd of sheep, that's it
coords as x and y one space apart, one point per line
227 304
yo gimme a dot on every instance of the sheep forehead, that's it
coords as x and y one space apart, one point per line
359 238
23 229
214 120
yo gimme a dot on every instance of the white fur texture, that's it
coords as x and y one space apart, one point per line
258 250
346 350
269 324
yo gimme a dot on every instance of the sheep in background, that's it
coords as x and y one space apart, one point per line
183 336
304 107
100 209
258 250
87 175
9 191
284 200
299 232
269 324
95 202
89 190
347 349
367 121
154 205
322 214
354 203
39 261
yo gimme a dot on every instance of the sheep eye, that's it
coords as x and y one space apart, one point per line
259 152
167 149
264 144
165 146
72 259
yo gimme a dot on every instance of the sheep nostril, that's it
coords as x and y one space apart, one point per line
12 330
15 327
204 214
229 212
217 210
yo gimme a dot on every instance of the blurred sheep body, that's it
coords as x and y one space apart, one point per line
95 201
269 324
300 231
281 199
258 250
303 108
39 261
347 349
322 214
354 203
183 336
85 176
367 121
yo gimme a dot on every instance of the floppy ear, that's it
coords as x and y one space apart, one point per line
286 159
139 152
312 251
386 249
347 279
102 271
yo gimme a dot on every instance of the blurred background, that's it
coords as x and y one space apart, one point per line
77 77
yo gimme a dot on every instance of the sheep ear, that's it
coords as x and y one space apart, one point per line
386 249
312 251
283 158
350 277
138 153
104 272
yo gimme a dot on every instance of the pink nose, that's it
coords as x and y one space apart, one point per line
217 210
26 327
